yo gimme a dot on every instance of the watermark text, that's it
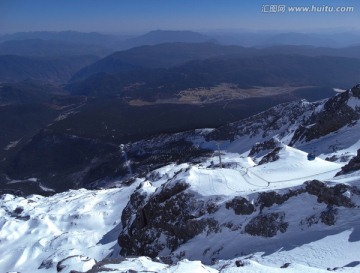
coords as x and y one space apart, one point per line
306 9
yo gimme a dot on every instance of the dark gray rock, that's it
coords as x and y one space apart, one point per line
352 166
162 221
268 145
328 217
285 265
331 195
62 265
276 120
211 206
335 115
356 91
239 263
271 157
241 206
311 220
46 264
137 199
268 199
172 213
267 225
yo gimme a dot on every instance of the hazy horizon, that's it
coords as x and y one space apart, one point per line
140 16
205 31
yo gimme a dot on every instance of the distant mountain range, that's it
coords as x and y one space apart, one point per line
55 69
155 49
50 48
66 36
114 42
166 36
333 40
243 38
159 56
27 91
62 61
174 54
272 70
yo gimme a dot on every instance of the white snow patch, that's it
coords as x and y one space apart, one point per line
45 188
339 90
78 222
319 108
204 131
354 103
12 144
32 179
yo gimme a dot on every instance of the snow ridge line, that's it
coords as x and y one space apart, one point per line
293 179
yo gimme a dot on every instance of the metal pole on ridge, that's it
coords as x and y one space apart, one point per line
218 145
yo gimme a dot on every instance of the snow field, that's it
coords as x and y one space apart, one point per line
37 230
244 177
78 222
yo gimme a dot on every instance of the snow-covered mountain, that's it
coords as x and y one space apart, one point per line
266 207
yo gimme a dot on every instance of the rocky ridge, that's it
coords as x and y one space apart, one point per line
319 126
160 222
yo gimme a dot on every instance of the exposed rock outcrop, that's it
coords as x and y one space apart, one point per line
277 120
267 225
268 199
352 166
334 114
241 206
159 223
76 263
331 195
172 213
271 157
260 148
328 217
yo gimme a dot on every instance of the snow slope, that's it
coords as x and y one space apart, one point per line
242 175
248 265
309 243
38 230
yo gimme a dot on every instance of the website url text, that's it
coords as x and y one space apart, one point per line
309 9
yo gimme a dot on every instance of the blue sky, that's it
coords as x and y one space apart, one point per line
143 15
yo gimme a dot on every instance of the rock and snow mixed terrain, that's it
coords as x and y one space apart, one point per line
272 211
37 232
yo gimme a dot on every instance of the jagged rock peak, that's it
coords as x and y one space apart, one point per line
352 166
356 90
261 148
277 120
272 156
335 113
